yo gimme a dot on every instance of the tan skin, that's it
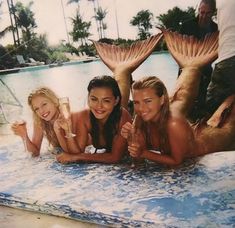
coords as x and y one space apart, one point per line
181 138
101 102
46 110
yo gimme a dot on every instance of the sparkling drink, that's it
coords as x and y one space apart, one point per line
65 111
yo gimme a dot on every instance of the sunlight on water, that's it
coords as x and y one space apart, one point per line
72 80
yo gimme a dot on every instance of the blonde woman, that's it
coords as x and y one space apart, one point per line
47 122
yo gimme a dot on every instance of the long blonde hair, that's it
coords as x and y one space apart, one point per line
155 83
46 126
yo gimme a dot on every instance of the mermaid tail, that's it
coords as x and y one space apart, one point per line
122 61
191 55
218 133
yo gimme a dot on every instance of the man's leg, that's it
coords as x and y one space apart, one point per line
222 84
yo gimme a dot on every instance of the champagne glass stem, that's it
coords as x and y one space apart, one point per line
25 145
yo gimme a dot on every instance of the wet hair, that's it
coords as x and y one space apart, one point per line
112 123
45 125
155 83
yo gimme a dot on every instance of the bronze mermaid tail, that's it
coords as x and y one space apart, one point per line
218 133
191 54
122 61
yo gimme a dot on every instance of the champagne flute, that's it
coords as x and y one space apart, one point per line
13 115
65 111
132 138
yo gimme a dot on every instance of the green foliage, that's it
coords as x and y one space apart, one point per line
99 17
6 60
174 18
143 20
80 30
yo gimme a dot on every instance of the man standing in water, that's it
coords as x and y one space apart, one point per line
199 27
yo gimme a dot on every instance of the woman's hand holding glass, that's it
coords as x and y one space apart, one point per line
64 120
133 137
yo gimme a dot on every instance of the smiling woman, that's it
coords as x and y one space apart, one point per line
47 121
100 124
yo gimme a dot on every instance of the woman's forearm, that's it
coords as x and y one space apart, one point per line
161 158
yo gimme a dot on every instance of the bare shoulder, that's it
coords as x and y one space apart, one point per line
178 124
82 116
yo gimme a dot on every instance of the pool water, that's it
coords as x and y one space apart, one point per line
71 80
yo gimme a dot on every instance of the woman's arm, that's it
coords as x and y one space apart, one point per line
118 148
181 140
77 144
34 145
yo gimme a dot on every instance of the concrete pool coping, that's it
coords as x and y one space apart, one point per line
46 66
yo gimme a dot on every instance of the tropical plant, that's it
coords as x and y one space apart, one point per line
80 30
100 15
174 18
95 6
25 20
143 20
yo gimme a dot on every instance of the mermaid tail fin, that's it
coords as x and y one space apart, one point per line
122 61
189 51
191 54
114 56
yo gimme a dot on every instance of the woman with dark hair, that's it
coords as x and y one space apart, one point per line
100 124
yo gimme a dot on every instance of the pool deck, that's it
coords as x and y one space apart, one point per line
46 66
200 193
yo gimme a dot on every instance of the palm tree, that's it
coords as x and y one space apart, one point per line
95 2
100 15
25 20
80 29
13 28
143 21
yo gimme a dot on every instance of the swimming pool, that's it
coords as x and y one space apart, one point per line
200 193
72 79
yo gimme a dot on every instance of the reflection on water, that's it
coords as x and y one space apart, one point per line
72 80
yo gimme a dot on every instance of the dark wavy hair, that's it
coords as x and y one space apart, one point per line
111 125
155 83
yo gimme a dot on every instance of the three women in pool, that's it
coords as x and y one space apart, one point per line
99 125
167 133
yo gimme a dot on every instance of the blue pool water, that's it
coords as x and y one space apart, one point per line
71 80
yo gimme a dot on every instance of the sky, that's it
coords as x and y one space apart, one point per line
49 16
